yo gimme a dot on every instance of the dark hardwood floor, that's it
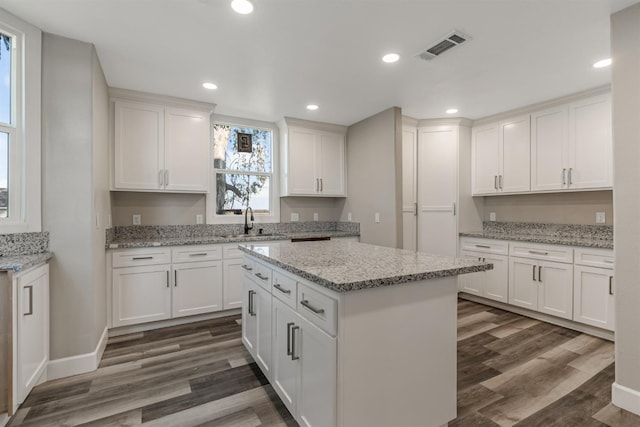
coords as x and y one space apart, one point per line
512 370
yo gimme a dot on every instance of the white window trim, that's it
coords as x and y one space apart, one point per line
274 186
28 215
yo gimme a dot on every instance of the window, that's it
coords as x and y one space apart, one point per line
243 172
20 114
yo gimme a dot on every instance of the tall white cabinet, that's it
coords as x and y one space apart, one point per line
409 184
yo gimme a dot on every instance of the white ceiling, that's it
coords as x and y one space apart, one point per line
290 53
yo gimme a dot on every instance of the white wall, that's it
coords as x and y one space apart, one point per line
374 172
625 42
74 190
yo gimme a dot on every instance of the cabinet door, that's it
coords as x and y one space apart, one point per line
331 165
232 286
186 150
485 155
197 288
590 143
409 188
141 294
496 281
472 283
523 284
32 328
437 190
556 291
593 300
249 316
302 174
263 313
549 149
318 375
286 369
515 142
138 146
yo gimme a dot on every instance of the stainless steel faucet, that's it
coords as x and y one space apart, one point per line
246 224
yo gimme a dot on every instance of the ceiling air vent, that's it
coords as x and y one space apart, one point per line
437 48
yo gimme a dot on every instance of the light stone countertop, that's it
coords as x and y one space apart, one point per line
211 239
23 262
587 241
344 266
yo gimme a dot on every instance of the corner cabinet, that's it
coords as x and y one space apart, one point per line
159 147
313 159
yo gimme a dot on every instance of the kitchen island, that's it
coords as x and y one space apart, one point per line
351 334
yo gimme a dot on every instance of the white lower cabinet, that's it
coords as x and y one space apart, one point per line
304 367
492 284
141 294
232 273
256 323
197 288
594 288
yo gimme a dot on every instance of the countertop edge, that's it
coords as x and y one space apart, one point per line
19 263
549 240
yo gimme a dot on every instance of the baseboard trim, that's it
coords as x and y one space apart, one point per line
565 323
625 398
4 419
79 364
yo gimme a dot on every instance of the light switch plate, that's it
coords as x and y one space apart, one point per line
315 216
600 218
295 216
349 217
376 216
137 219
199 219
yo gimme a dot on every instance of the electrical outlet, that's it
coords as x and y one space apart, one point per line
349 217
376 217
295 217
137 219
492 216
199 219
109 221
315 216
600 218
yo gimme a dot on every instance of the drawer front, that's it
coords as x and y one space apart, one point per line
231 252
140 256
594 257
262 275
542 252
319 309
489 246
285 289
196 253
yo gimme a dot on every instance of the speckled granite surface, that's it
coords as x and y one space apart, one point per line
344 266
176 235
23 262
590 236
21 251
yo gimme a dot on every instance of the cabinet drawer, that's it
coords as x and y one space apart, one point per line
231 252
284 287
262 275
541 252
196 253
141 256
319 309
594 257
487 246
248 266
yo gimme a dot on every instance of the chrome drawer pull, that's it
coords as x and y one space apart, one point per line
250 308
30 312
281 289
260 276
610 285
289 351
483 246
293 343
138 258
538 253
199 254
534 273
246 267
539 273
306 304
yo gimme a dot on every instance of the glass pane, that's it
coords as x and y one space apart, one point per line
228 148
237 191
5 78
4 174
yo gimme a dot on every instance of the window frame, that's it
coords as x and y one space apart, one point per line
24 187
274 185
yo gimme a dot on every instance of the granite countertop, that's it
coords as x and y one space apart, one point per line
344 266
212 239
582 241
23 262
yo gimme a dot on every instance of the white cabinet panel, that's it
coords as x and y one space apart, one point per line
549 151
492 284
302 174
232 275
286 370
409 188
141 294
332 176
486 156
593 296
523 285
556 290
471 283
197 288
496 281
515 144
256 324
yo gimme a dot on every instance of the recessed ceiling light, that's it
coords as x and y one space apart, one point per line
391 58
210 86
312 107
243 7
451 111
602 63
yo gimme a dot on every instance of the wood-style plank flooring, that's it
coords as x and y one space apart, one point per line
512 371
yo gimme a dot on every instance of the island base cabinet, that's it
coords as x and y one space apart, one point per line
232 283
593 300
304 368
256 324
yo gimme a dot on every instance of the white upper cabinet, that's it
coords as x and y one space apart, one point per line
313 159
157 147
571 146
501 157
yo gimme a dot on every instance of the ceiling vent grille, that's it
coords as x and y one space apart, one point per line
440 46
